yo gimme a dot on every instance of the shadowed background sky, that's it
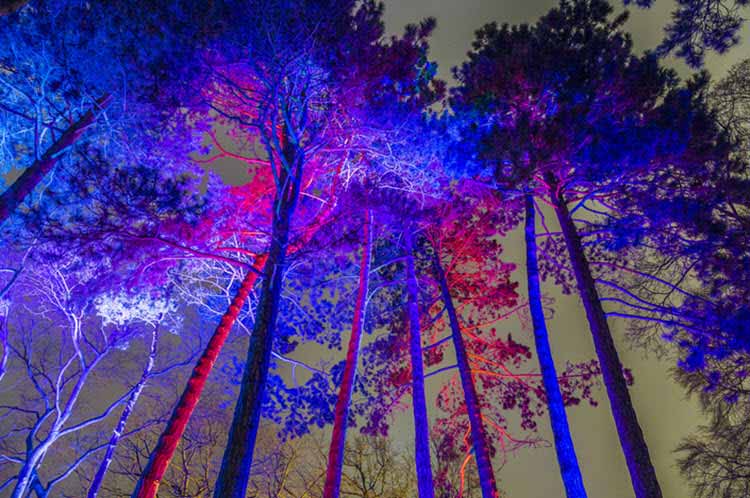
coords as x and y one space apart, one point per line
664 413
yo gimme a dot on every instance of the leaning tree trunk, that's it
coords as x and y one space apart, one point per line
341 415
14 195
124 416
162 454
478 434
566 454
419 406
642 473
238 455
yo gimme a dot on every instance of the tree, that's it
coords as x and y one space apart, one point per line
546 122
55 408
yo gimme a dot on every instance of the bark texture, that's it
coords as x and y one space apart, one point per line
642 472
341 414
566 454
478 434
162 454
419 405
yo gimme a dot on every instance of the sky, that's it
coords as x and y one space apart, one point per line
665 414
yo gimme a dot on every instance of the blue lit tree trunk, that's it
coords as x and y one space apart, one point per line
238 455
642 472
566 455
419 408
478 434
341 414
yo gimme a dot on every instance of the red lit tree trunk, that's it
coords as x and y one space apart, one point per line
124 416
341 414
14 195
419 405
642 473
478 434
164 451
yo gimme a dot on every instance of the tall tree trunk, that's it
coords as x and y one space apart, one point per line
341 415
642 473
566 454
96 483
478 434
162 454
419 406
14 195
238 455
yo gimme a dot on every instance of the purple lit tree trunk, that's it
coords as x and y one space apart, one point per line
478 434
642 473
566 455
14 195
124 416
419 408
238 455
341 415
170 437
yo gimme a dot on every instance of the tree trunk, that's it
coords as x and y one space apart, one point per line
478 434
566 455
341 414
238 455
421 422
162 454
14 195
642 473
124 416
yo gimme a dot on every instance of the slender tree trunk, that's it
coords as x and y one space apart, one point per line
124 416
421 422
478 434
238 455
341 415
14 195
642 473
162 454
566 454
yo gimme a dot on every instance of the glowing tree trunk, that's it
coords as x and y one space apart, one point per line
478 435
419 408
14 195
642 473
164 451
238 455
96 483
341 415
566 455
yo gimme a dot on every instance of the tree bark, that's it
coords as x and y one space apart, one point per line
96 482
341 415
478 434
566 455
14 195
162 454
238 455
642 473
421 422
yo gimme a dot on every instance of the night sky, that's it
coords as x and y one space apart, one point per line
665 414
